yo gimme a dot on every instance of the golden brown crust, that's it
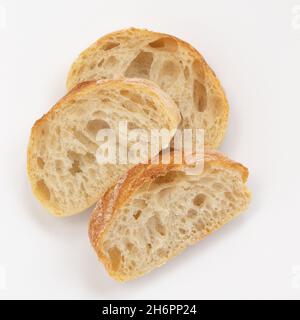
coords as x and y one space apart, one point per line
79 91
210 74
106 210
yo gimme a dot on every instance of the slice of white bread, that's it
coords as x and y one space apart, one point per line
173 64
156 211
62 166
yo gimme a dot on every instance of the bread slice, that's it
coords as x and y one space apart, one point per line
62 166
156 211
173 64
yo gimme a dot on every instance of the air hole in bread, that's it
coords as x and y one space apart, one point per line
154 224
92 66
110 62
199 200
75 167
136 98
40 162
59 166
140 66
191 213
166 44
199 225
110 45
42 190
115 258
129 246
229 196
200 96
168 74
169 177
89 157
125 93
137 214
100 63
44 128
162 253
72 155
182 231
186 73
94 126
130 106
197 68
150 103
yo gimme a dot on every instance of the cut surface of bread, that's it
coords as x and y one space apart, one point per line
173 64
156 211
62 151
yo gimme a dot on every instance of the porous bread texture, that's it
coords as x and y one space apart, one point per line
157 211
62 166
173 64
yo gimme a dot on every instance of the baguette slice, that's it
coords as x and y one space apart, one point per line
156 211
173 64
62 166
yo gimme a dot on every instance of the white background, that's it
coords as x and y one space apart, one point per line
254 47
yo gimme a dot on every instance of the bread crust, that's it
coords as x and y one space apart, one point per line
106 210
209 73
81 90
